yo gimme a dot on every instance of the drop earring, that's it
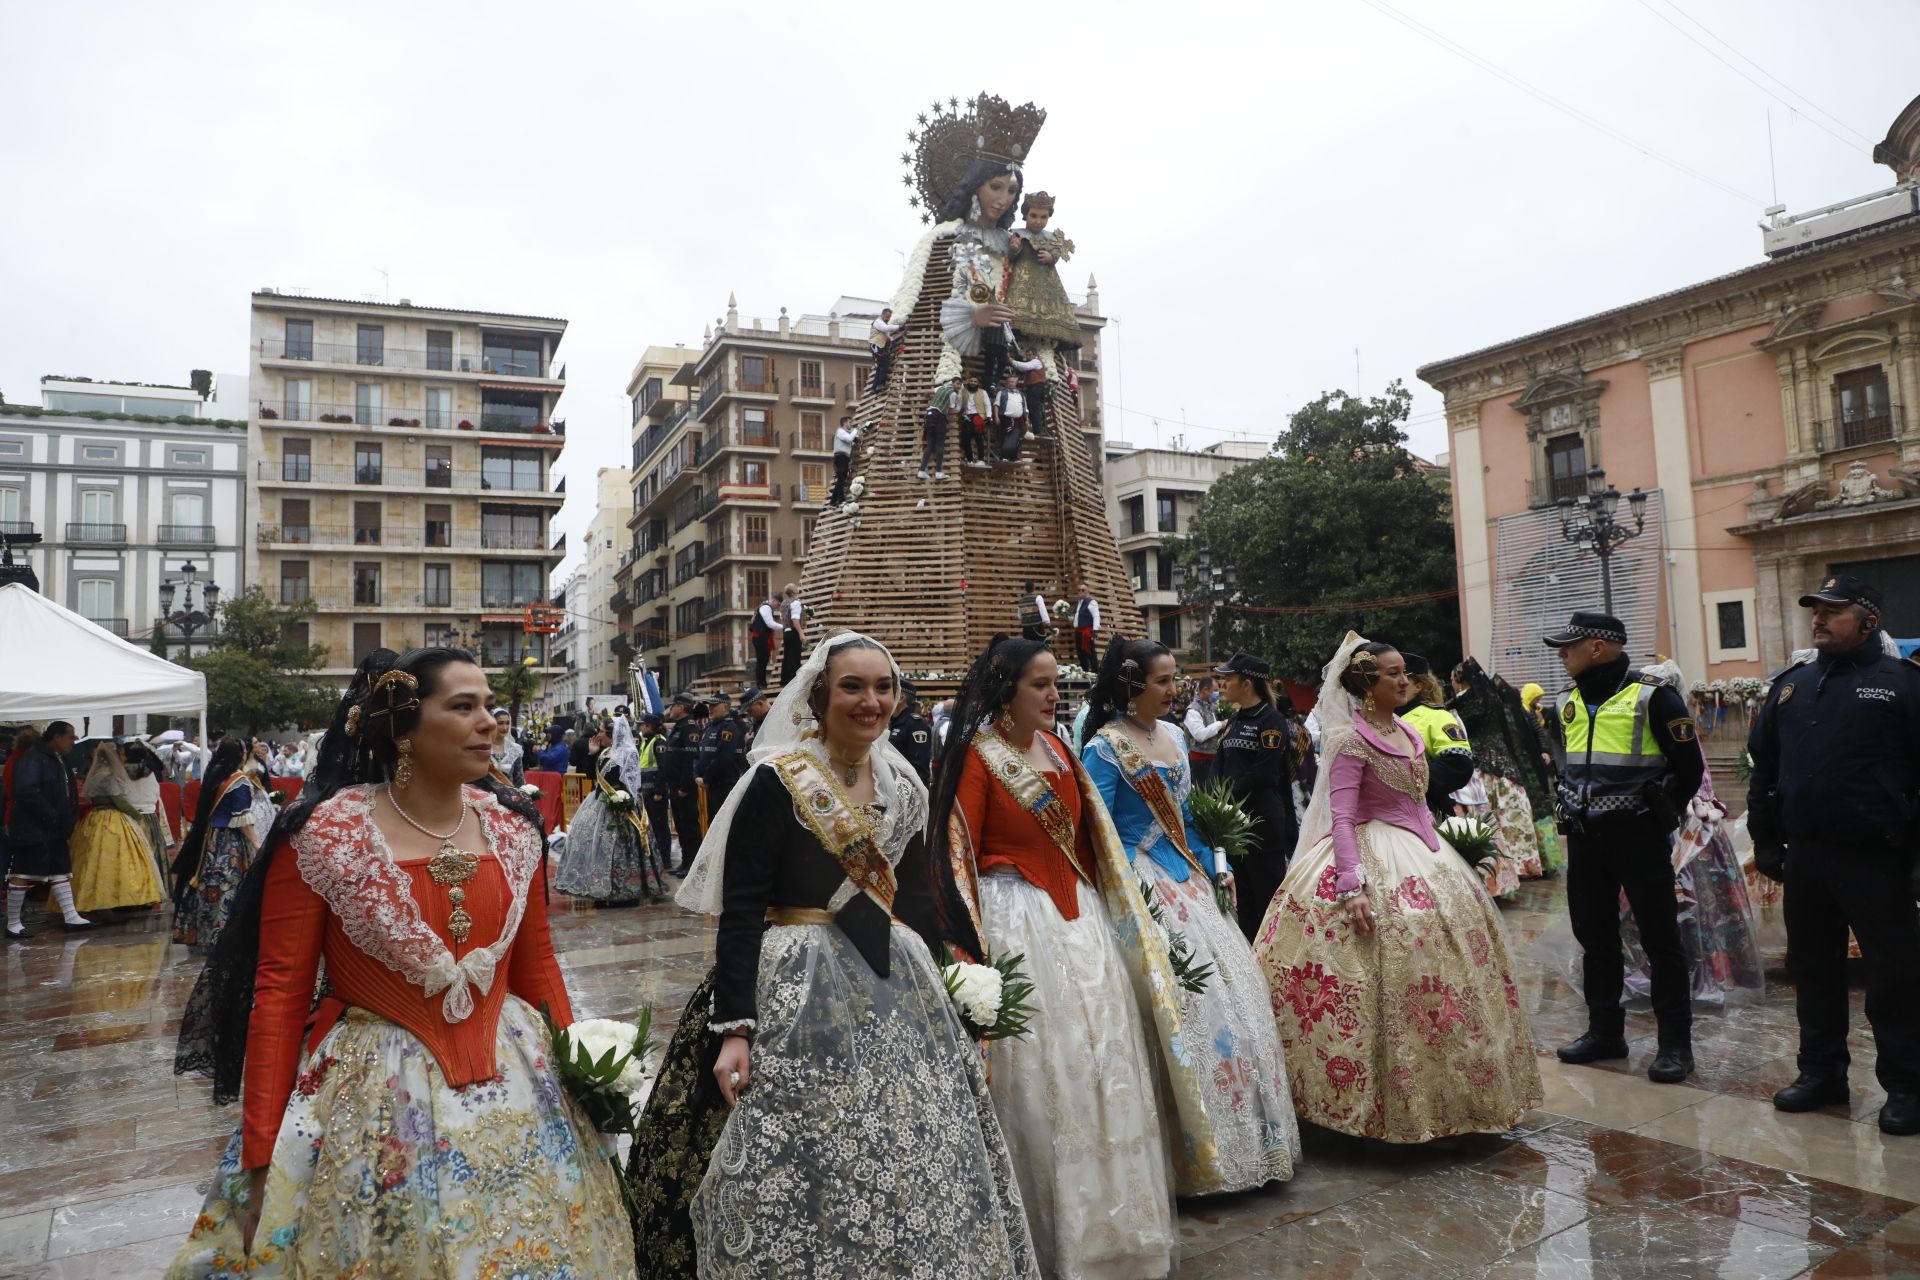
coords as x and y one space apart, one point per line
1005 723
1367 706
403 771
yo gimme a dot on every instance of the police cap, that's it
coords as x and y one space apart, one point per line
1588 626
1844 588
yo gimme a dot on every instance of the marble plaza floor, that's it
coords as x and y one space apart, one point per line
104 1154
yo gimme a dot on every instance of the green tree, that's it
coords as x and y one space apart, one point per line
1339 512
514 684
258 678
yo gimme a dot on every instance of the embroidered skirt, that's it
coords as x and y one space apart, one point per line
1717 924
1512 821
1415 1030
112 863
383 1169
1227 1041
866 1144
606 857
1076 1094
223 865
677 1134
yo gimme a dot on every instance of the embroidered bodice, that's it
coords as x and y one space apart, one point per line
1374 779
1139 831
336 892
1003 832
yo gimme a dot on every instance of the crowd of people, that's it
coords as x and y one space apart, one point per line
1185 1011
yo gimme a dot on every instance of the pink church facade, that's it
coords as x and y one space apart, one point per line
1771 418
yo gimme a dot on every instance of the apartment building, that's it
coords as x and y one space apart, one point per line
404 472
1151 496
590 599
132 490
732 460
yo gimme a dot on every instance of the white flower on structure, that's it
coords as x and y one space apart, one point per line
859 486
850 508
976 989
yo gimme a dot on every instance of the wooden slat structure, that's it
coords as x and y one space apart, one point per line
932 569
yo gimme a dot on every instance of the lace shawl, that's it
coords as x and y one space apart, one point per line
373 898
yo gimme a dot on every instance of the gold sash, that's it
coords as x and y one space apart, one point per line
1153 789
838 824
636 817
1030 788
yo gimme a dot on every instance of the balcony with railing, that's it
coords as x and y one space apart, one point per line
96 534
116 625
16 528
812 389
722 437
1858 429
498 420
434 537
621 602
502 480
186 535
689 508
519 364
1548 491
711 606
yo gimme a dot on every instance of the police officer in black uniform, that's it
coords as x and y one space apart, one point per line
1255 758
1629 762
723 754
678 756
1834 809
911 735
756 703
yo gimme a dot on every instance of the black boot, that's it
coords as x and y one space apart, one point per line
1672 1064
1595 1046
1811 1091
1901 1114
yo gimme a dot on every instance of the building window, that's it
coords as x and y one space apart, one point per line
1163 570
439 466
294 586
295 520
178 457
366 462
366 638
645 397
752 471
439 348
757 587
370 345
187 518
1133 516
510 469
439 407
1170 630
439 524
299 345
96 599
1731 619
1862 408
813 431
1164 511
756 373
366 582
812 379
509 585
754 428
99 507
12 505
504 411
439 635
1567 466
510 529
437 587
512 355
813 481
13 448
296 635
755 531
367 398
298 405
1138 560
296 460
99 453
366 524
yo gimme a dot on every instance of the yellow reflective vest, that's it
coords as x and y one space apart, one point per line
1438 727
1609 757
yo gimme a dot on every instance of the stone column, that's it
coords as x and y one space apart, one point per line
1473 539
1673 472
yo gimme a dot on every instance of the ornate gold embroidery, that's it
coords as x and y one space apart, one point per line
1153 789
1408 777
1034 793
845 830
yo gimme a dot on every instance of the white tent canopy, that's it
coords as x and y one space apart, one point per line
56 665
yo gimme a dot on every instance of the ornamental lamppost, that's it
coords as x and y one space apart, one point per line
1588 521
192 616
1210 585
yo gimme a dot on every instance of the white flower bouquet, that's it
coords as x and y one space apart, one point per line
993 999
619 801
1471 838
602 1066
530 791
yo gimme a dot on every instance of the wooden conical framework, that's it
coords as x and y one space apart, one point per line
932 569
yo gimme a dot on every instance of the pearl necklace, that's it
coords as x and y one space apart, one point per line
452 866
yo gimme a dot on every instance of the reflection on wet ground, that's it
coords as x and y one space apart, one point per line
104 1154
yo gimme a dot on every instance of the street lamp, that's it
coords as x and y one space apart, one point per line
1211 585
1589 522
192 615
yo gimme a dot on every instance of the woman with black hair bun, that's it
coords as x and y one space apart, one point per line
410 1123
1041 873
1392 981
1241 1131
219 848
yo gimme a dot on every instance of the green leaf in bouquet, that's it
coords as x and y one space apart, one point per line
1192 976
1016 999
1218 817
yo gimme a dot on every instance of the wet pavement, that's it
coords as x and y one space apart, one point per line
105 1154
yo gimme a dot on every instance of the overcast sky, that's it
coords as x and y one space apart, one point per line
1262 190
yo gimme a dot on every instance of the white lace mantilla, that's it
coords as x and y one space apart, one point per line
374 898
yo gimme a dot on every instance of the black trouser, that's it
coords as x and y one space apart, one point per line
762 654
842 462
1037 407
1259 874
1010 443
1631 854
933 440
657 819
973 441
1829 889
789 657
686 823
882 368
